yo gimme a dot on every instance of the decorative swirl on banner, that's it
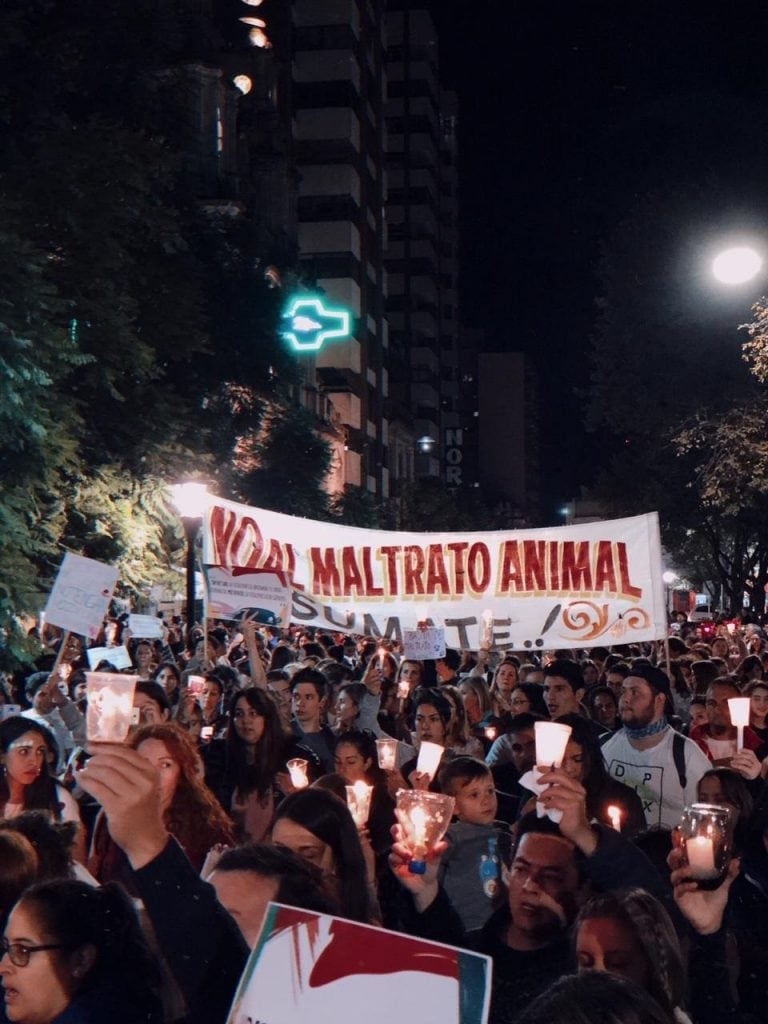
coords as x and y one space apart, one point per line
592 618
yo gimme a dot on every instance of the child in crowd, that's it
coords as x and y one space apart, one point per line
479 846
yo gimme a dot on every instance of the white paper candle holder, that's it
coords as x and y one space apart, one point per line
109 711
429 758
359 802
551 741
739 709
297 769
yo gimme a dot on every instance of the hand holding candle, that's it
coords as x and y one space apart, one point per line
707 833
614 813
551 741
429 758
110 706
423 819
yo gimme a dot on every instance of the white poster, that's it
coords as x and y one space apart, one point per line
81 595
259 595
569 586
146 627
424 644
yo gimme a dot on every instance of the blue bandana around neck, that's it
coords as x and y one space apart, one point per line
647 730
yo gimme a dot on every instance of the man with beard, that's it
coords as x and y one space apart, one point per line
554 868
661 765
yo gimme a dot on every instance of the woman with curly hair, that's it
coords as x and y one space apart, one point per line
241 769
190 811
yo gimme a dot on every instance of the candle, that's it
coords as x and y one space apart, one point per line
429 758
739 710
387 752
402 689
423 819
359 802
614 813
551 741
419 823
297 769
701 857
490 733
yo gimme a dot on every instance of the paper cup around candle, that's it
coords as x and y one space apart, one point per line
551 741
195 685
403 689
739 709
707 831
109 710
387 753
429 758
423 819
297 769
359 802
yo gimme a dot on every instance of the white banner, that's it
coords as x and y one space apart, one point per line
575 586
254 594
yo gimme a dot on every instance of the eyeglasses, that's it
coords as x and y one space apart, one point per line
20 953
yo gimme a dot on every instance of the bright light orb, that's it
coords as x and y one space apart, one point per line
243 83
737 265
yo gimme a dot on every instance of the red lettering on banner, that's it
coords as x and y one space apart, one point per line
352 577
274 557
390 553
437 574
370 588
535 561
222 525
605 573
627 588
325 572
511 575
577 573
479 567
413 570
459 551
554 564
246 545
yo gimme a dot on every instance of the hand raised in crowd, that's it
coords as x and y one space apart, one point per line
419 780
127 787
424 888
702 908
568 796
747 764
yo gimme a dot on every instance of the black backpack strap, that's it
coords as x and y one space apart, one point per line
678 756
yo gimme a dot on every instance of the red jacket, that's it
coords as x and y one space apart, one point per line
701 733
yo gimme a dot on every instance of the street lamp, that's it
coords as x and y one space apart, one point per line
737 265
191 500
669 579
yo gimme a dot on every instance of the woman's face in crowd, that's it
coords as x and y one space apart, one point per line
471 704
249 724
758 702
519 702
39 992
574 761
167 679
698 715
26 757
303 842
351 764
210 697
590 675
720 647
346 709
158 754
410 672
429 724
143 655
604 944
506 678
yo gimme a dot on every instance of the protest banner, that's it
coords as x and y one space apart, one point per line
308 966
116 656
81 595
560 587
425 644
146 627
261 595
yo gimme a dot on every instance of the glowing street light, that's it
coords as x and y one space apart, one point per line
737 265
191 500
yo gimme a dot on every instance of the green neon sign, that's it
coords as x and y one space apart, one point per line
309 324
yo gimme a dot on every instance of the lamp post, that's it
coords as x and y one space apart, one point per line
669 578
191 500
737 265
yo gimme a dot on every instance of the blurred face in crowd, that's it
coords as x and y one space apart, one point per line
605 944
248 723
606 710
346 709
523 748
169 770
150 712
560 698
351 764
210 698
42 702
143 656
472 708
42 990
167 679
307 706
639 705
280 691
544 890
519 702
718 712
698 715
758 702
574 762
303 842
429 724
506 678
411 672
245 895
616 681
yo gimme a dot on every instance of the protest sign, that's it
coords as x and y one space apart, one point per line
81 595
146 627
117 656
259 595
313 967
561 587
424 644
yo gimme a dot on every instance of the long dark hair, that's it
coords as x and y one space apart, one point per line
328 818
256 777
364 743
595 774
42 794
76 914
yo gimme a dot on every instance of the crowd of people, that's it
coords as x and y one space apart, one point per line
134 878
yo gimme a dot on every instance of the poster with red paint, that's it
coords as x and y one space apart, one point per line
313 967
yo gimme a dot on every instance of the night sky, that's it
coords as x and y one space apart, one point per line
570 112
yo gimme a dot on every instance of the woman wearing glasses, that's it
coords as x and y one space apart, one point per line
73 954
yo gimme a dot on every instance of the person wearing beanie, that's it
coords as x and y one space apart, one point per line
660 764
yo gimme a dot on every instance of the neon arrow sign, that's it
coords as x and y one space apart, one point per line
310 323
